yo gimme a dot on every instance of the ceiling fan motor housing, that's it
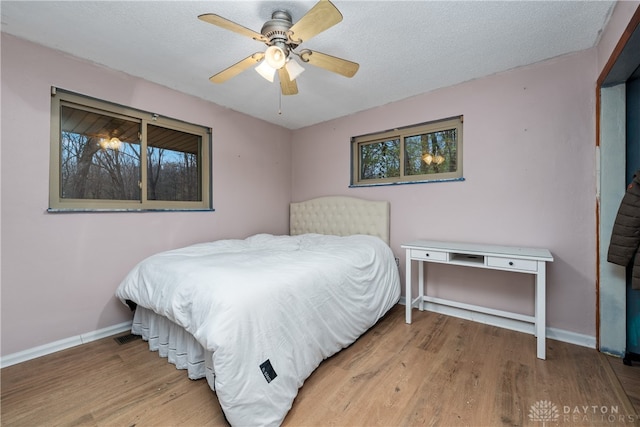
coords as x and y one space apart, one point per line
276 30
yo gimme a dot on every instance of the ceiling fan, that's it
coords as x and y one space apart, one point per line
282 37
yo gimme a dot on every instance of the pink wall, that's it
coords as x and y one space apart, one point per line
617 24
529 165
60 271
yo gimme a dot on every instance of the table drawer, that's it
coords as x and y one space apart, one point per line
428 255
512 263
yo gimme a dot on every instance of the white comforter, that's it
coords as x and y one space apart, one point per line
270 308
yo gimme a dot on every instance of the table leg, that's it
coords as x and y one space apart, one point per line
540 310
421 284
407 281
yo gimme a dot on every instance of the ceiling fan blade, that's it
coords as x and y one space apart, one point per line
330 63
237 68
322 16
288 86
214 19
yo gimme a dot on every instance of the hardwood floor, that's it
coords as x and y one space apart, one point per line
629 377
438 371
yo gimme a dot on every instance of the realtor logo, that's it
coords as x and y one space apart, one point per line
544 411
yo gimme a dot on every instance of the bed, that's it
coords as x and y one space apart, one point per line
256 316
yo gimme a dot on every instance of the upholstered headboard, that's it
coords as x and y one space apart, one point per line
340 216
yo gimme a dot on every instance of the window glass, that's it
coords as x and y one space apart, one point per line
380 159
99 156
431 153
173 167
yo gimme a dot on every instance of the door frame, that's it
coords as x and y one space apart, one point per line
610 182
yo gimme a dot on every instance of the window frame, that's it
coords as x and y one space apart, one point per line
401 134
61 97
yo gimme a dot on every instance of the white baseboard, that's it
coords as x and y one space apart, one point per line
43 350
515 325
571 337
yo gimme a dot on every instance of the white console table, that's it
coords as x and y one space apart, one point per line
522 260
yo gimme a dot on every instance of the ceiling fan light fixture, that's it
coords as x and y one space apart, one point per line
266 71
110 143
293 68
275 56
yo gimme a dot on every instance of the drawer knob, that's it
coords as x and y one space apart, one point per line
427 254
510 262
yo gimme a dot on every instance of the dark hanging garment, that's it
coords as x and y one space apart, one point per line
625 238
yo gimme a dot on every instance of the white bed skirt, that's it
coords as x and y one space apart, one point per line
173 342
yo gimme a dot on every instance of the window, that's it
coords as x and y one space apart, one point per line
421 153
109 157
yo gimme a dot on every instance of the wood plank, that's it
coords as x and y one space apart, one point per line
629 377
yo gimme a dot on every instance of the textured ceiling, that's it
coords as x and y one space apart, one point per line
404 48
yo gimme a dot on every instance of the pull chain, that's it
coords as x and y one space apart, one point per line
279 102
